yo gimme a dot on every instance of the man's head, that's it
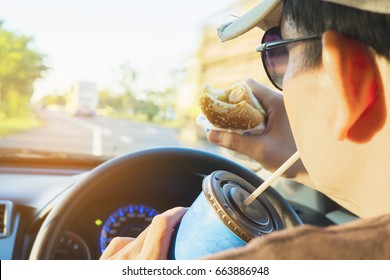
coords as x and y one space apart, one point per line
336 89
348 21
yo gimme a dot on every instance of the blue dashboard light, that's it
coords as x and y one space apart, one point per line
127 225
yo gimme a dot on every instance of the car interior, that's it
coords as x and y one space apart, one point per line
92 202
98 130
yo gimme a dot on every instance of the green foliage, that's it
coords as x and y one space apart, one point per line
148 108
14 105
114 102
20 66
11 125
128 78
53 99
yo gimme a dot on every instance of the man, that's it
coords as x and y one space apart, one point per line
331 58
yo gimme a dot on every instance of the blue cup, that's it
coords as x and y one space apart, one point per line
217 221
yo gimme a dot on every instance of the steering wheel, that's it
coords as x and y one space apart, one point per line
141 163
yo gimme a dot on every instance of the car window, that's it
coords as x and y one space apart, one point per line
104 78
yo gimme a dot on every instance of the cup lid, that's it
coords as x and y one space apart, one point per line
226 192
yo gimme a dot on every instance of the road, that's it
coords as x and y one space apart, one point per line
97 136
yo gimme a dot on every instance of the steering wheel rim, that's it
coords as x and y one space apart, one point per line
141 162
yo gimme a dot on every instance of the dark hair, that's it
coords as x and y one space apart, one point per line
316 16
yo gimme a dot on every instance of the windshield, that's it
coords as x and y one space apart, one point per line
104 78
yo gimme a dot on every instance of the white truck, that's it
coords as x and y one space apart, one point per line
82 99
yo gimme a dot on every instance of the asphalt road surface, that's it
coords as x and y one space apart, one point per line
96 135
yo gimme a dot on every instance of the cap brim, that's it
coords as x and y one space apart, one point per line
265 15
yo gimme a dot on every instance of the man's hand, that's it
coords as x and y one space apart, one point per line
275 145
152 244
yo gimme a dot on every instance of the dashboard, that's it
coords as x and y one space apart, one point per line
124 209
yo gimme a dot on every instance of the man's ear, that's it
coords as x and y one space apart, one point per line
360 100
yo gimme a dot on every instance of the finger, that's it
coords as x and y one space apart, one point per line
156 247
116 244
158 239
252 146
133 249
264 94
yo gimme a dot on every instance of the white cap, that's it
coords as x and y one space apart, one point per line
267 14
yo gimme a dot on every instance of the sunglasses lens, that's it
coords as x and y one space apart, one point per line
275 60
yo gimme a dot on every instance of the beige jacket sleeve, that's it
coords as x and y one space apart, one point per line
361 239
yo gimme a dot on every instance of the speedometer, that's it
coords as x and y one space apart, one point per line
127 221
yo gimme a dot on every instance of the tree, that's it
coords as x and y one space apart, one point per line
109 100
147 108
54 99
166 100
20 66
128 78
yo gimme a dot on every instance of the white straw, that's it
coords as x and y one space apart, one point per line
270 179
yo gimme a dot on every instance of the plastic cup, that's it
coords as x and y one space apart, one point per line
216 221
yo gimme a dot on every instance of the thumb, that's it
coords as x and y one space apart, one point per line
264 94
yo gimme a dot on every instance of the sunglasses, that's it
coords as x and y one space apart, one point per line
274 54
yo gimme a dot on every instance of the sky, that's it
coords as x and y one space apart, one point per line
88 40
